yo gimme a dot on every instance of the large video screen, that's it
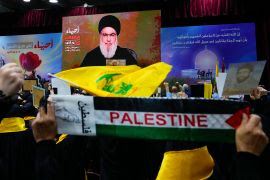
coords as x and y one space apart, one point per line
111 39
194 51
37 54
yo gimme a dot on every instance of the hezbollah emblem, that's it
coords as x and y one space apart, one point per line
107 85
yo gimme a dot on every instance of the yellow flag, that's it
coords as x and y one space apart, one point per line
208 89
117 81
217 69
12 124
61 138
196 164
28 118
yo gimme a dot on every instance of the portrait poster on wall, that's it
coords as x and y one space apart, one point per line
111 39
37 54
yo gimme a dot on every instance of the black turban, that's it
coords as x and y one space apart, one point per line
109 21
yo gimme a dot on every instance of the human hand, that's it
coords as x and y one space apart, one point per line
166 84
11 79
258 92
182 94
250 136
44 125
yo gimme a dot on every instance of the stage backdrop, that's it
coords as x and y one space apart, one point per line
194 51
140 31
38 53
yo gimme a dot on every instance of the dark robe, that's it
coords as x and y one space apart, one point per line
5 105
17 149
96 58
67 160
251 167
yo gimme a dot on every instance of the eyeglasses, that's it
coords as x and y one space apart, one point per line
112 35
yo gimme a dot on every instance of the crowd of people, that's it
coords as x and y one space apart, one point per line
34 150
34 154
175 90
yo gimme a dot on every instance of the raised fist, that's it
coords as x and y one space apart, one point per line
44 125
250 136
11 79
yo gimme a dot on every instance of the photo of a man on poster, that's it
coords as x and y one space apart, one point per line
243 75
242 78
108 52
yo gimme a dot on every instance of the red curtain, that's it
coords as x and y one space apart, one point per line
176 12
37 18
203 8
170 9
41 18
83 11
200 8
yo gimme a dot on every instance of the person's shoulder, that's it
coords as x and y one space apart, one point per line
88 58
126 50
93 51
122 49
129 53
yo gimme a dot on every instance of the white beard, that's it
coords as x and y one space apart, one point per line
108 52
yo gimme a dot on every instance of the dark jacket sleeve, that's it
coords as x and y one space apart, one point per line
5 105
85 61
64 161
93 58
246 167
47 166
131 60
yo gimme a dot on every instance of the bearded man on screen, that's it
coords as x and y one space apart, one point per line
109 29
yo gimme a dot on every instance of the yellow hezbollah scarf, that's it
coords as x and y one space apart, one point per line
196 164
17 124
14 124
